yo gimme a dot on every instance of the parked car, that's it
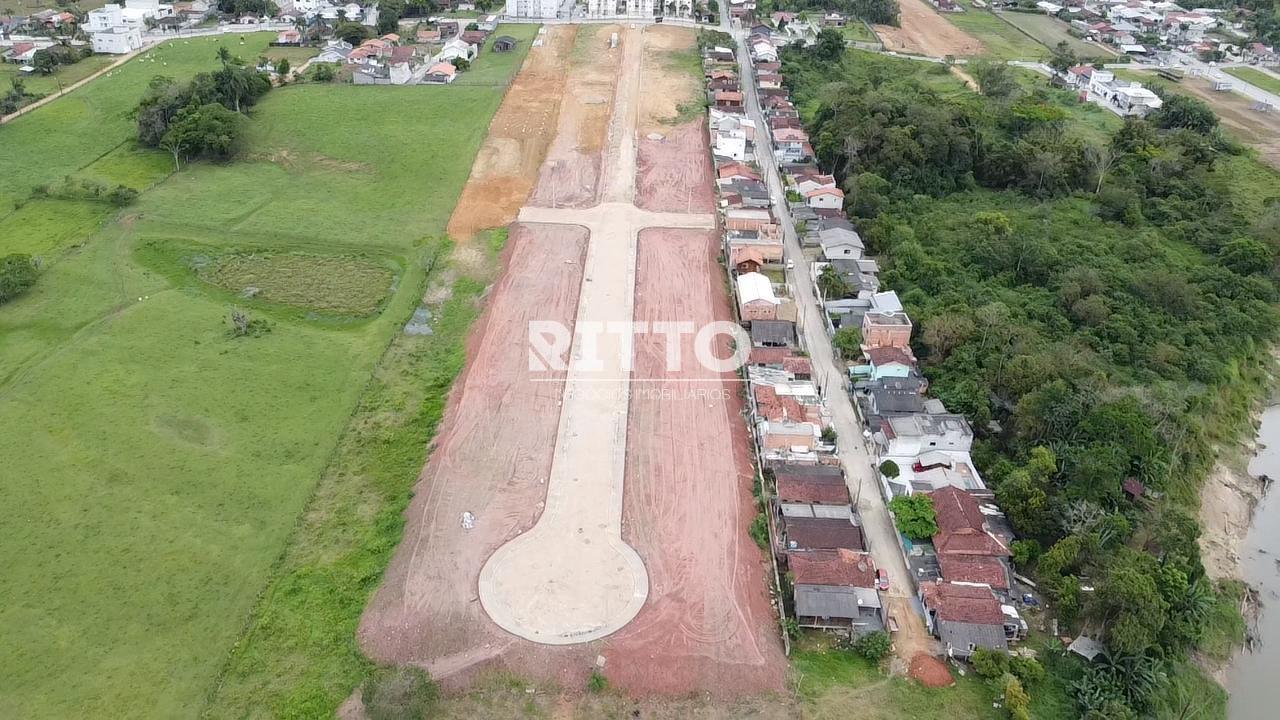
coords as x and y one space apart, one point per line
882 579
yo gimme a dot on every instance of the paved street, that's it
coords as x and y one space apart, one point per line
858 461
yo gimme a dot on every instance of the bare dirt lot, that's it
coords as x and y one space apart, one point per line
708 625
492 459
1256 129
570 177
925 32
504 171
673 171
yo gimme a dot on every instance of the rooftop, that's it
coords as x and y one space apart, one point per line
956 602
832 567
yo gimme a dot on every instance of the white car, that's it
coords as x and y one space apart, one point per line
791 264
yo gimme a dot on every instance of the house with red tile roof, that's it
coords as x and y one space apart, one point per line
835 590
964 618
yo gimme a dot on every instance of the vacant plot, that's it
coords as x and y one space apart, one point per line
1257 78
1000 40
342 285
1235 111
925 32
78 128
1050 31
41 84
856 31
156 465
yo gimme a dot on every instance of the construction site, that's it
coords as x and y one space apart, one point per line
590 519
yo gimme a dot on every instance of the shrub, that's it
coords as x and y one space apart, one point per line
760 531
1025 552
17 275
1016 699
597 683
873 646
828 434
323 72
890 469
399 693
121 195
990 663
1028 670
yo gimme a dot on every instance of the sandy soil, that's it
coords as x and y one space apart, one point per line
504 170
708 625
570 177
925 32
492 458
1227 499
1259 130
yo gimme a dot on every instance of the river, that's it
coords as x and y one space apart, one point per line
1255 691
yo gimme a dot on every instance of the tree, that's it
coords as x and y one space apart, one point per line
914 516
848 340
208 130
1246 256
462 64
1184 111
1063 58
45 62
352 32
282 68
829 46
17 275
832 283
1129 602
889 469
995 80
323 72
873 645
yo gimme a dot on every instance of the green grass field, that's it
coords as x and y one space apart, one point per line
1050 31
1002 41
856 31
65 75
1256 78
156 467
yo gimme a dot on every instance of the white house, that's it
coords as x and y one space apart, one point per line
1119 96
111 32
730 144
456 48
825 198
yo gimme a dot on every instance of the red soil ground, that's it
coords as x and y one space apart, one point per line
492 459
707 625
931 671
674 174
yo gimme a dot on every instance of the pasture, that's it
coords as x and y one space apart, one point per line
1002 40
156 464
1050 31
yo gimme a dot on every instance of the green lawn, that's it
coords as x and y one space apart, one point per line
1256 77
1002 41
65 75
856 31
78 128
1050 31
155 466
489 67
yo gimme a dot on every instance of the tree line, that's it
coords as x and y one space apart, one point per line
201 118
1091 302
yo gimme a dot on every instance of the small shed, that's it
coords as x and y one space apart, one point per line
504 43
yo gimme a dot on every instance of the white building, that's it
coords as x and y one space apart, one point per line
112 32
625 8
1119 96
532 8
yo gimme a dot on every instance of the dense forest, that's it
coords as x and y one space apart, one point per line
1099 304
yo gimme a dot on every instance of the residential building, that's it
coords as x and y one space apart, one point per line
824 198
911 435
964 618
835 590
773 333
886 329
440 74
756 300
886 362
810 533
838 243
